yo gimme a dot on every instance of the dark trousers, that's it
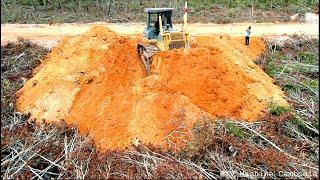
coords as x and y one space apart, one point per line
247 41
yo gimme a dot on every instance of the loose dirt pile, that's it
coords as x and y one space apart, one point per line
95 80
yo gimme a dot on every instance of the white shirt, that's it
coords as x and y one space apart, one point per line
248 32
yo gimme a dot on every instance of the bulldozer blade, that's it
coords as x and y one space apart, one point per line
146 52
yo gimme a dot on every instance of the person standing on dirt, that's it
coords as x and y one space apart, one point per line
248 32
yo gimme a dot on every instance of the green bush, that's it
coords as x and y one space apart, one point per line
234 130
290 86
308 57
271 68
312 83
277 110
302 127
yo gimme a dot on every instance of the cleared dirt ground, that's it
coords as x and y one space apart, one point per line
49 35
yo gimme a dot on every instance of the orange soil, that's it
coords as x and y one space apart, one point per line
95 80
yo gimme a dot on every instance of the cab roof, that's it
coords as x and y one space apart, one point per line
157 10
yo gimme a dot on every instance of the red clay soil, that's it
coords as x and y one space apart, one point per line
95 81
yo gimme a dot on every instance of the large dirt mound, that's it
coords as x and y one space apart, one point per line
95 80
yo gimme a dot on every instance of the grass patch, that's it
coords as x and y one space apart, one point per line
308 57
277 110
312 83
302 127
234 130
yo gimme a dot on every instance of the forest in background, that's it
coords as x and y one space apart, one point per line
122 11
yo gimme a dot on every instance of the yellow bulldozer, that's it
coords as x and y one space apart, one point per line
160 35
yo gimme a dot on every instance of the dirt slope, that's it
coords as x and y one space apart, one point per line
95 80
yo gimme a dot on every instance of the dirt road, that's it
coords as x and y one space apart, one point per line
48 35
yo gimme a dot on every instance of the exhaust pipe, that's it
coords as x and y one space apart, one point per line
185 17
185 24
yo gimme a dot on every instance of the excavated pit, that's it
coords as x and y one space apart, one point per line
95 81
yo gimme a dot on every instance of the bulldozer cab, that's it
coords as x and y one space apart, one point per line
160 35
152 29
